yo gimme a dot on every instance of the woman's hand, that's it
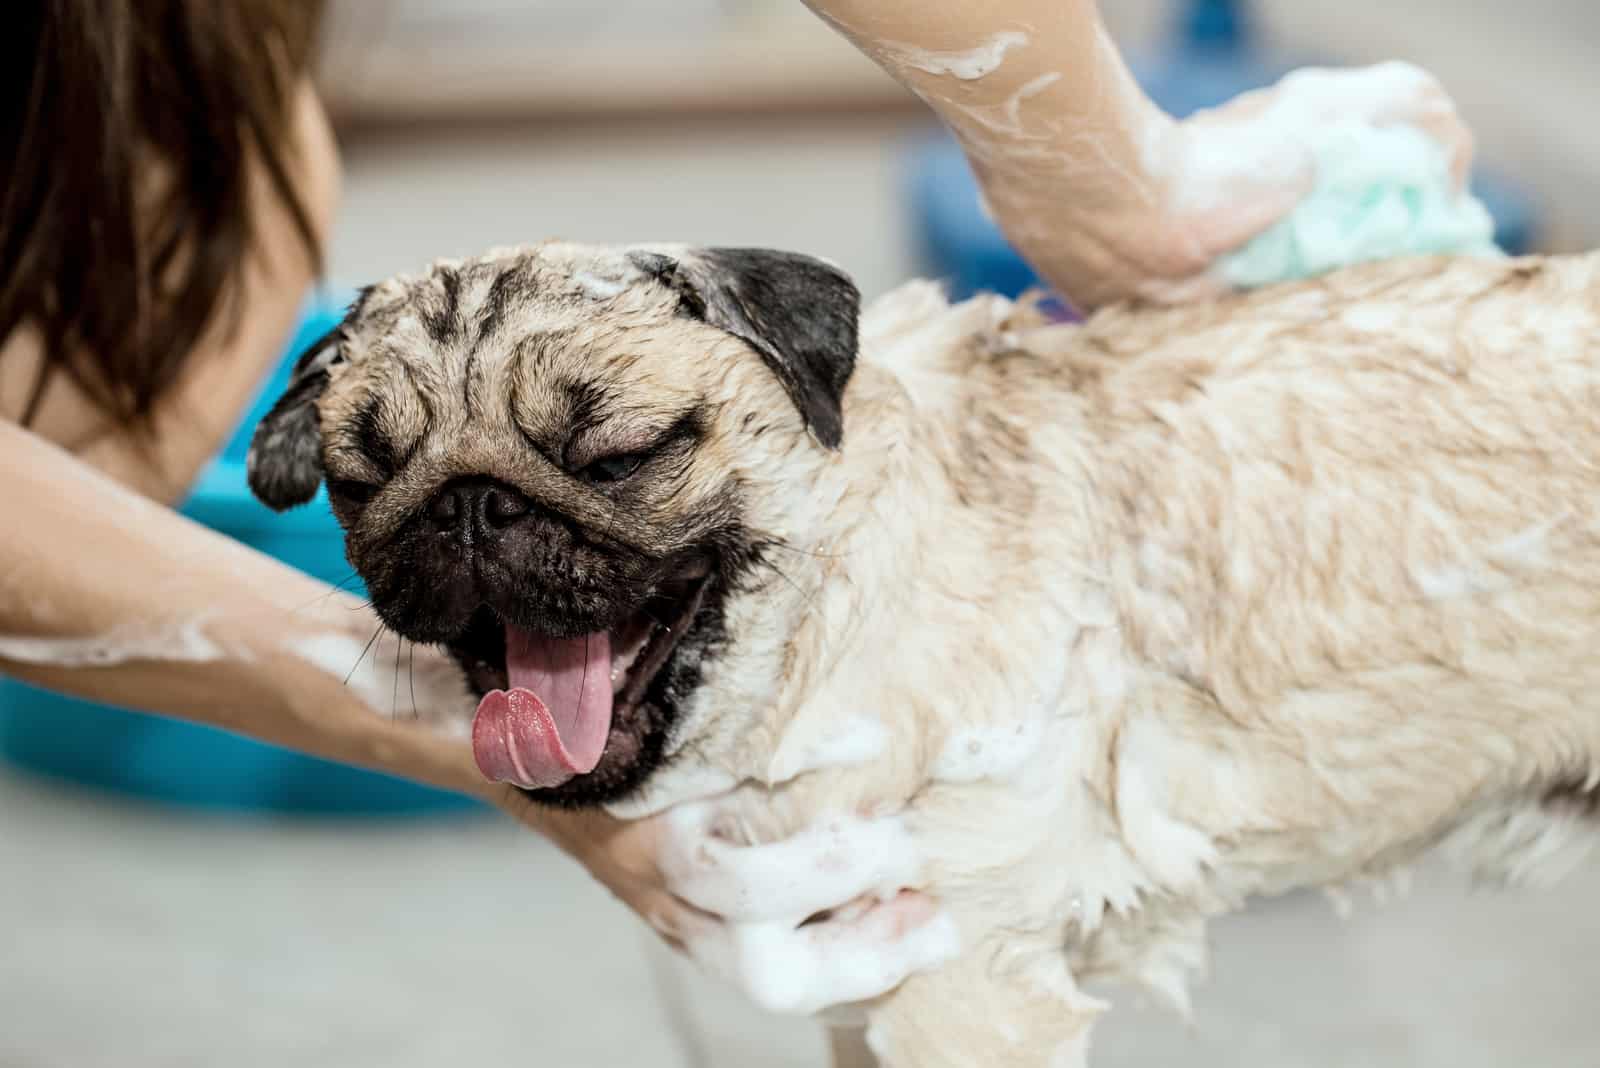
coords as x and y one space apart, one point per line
1210 183
1105 196
1233 172
814 922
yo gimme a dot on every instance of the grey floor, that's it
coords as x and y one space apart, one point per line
134 936
141 937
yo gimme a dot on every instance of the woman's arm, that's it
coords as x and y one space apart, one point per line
1106 196
1070 153
1028 86
107 596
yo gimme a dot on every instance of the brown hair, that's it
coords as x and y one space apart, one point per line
99 90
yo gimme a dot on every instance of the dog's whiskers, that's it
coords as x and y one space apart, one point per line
365 649
394 698
776 570
778 543
411 679
323 597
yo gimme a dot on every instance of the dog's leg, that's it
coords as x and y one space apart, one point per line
849 1048
984 1011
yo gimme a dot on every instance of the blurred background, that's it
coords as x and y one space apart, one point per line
175 896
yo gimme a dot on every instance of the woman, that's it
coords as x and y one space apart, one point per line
172 180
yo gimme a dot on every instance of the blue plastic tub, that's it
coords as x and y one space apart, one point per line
1212 61
187 764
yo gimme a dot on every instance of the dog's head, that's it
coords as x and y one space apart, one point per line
563 463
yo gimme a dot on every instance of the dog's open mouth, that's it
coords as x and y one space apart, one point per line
553 707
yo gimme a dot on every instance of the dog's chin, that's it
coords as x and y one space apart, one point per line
651 648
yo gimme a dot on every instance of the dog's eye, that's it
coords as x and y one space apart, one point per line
354 492
612 468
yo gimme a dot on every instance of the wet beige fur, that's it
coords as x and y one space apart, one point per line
1150 615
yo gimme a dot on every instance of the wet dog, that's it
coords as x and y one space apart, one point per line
1125 621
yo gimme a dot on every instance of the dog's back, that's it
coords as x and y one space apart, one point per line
1363 542
1349 535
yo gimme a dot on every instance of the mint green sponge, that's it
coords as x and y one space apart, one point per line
1381 191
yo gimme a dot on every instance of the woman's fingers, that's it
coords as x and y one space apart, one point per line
819 868
835 961
821 919
1233 172
817 920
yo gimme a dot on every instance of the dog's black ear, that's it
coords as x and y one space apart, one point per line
284 465
799 314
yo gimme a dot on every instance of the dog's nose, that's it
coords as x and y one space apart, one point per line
484 500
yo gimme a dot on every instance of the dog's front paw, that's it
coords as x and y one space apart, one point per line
824 918
1011 1004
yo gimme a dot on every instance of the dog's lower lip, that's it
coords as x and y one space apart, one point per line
653 657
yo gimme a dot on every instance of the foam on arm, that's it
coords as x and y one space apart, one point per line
1061 137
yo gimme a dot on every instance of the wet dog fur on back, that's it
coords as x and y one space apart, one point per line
1131 620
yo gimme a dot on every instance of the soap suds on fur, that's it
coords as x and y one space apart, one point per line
859 740
1527 548
994 752
835 860
597 287
1372 318
686 783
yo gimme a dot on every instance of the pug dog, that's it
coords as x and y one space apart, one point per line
1113 626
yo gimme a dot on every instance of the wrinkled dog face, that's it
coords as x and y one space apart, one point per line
561 463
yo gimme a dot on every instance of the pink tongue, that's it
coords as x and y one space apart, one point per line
552 721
